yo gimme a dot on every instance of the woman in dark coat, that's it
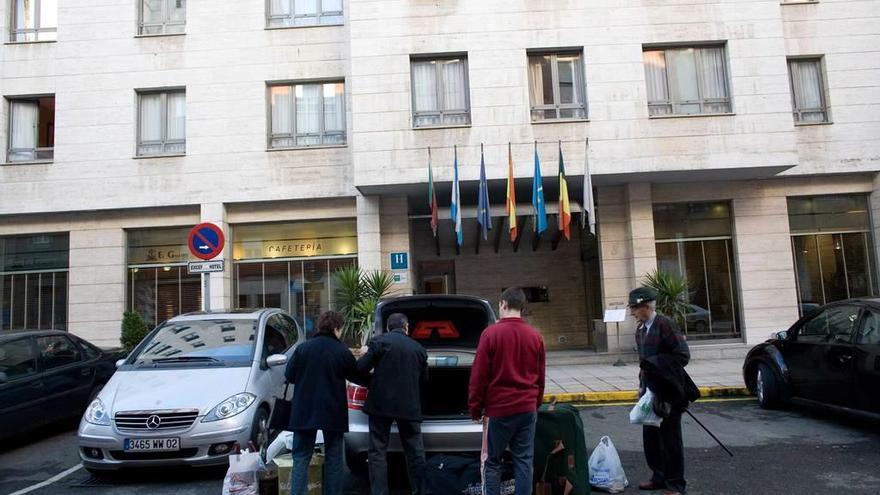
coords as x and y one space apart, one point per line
318 371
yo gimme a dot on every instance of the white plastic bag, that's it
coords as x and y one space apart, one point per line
606 471
643 412
243 475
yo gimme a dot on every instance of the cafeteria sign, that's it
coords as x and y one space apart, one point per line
295 248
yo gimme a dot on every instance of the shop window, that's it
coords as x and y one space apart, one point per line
832 248
695 241
33 282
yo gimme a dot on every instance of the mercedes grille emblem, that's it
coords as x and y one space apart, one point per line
153 422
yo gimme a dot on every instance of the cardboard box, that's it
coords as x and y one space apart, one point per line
316 474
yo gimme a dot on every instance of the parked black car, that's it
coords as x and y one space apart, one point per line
48 376
830 357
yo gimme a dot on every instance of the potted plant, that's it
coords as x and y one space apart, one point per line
358 292
134 329
672 295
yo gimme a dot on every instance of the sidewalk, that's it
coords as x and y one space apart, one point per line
605 382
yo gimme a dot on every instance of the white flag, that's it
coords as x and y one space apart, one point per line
588 213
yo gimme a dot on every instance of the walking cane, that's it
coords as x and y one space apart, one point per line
709 432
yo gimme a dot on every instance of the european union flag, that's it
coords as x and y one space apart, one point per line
483 209
538 197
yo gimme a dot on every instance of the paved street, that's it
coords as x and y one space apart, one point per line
794 451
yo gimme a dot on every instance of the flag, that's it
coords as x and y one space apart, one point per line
455 204
564 215
510 206
538 197
588 213
483 208
432 196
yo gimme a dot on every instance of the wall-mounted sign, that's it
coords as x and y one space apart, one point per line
400 261
205 266
295 248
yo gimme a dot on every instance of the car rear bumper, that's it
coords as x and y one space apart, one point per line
438 436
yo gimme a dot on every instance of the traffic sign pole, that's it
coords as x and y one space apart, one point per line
207 292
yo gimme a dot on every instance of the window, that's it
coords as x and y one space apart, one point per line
89 351
162 17
869 334
33 282
686 81
161 123
556 84
17 360
307 114
297 13
440 92
695 241
34 20
807 90
276 339
31 129
832 325
56 351
832 248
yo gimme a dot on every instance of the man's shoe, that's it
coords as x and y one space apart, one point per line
649 485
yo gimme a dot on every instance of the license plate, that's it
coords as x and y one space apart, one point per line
151 444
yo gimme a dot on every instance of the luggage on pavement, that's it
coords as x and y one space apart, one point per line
449 474
242 477
560 452
606 471
316 474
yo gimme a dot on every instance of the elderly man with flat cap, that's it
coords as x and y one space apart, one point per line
657 335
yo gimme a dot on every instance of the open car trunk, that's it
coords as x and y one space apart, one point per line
449 327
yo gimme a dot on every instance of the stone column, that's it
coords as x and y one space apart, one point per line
96 285
394 226
221 283
368 234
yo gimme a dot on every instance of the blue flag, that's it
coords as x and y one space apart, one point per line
483 209
538 198
455 204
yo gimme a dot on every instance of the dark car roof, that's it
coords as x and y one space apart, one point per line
435 297
12 335
871 301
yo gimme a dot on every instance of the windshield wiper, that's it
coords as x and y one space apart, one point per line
186 359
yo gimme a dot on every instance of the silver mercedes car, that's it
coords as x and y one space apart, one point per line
449 327
193 388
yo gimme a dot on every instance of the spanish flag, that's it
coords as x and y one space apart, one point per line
510 207
564 216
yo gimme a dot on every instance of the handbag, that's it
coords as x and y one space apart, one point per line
280 418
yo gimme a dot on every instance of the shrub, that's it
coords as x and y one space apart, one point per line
134 329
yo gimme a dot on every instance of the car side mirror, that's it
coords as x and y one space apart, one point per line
120 363
276 360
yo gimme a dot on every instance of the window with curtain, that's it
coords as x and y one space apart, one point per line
31 129
440 92
161 122
162 16
310 114
686 80
34 20
556 86
297 13
807 90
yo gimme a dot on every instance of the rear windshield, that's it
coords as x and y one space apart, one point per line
199 343
441 323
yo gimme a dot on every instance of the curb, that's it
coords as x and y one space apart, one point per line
633 395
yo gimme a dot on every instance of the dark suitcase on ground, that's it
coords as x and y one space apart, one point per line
448 474
561 455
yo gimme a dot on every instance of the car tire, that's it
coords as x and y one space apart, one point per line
260 430
767 387
357 463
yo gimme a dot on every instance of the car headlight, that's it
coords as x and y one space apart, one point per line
230 407
97 414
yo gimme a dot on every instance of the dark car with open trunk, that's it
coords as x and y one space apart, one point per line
449 327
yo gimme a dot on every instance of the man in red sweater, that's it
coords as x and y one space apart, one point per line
507 386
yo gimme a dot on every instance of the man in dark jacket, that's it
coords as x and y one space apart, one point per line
659 337
507 386
400 370
318 370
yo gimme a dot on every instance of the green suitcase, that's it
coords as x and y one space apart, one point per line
561 457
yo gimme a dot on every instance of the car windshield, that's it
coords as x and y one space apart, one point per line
199 343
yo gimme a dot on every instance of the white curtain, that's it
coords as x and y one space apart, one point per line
25 117
331 5
305 7
425 86
177 10
569 80
713 78
282 115
152 11
683 83
334 113
454 86
151 117
48 14
308 110
25 14
540 80
176 119
655 76
807 88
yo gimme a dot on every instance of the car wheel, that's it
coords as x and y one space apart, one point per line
260 430
767 387
700 327
357 463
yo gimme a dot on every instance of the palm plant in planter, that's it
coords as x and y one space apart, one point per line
358 293
672 295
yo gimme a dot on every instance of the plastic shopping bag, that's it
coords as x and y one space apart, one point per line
606 471
643 412
243 475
